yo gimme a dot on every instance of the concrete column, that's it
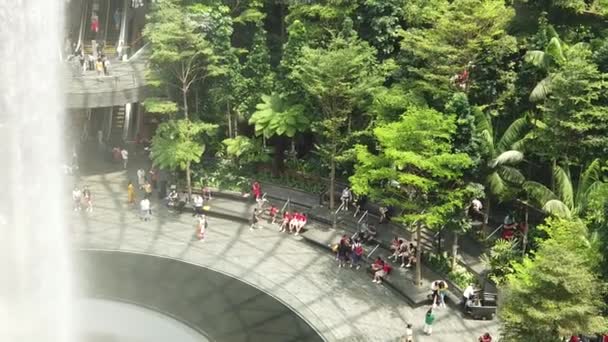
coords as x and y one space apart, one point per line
127 122
138 118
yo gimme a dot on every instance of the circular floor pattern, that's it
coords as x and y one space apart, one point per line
222 308
109 321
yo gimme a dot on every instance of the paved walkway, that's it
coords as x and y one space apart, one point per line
343 305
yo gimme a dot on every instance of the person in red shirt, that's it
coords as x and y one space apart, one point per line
286 219
300 224
485 338
256 190
272 212
381 269
294 222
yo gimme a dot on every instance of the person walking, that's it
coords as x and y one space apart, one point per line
77 198
148 189
429 318
99 66
130 194
255 218
346 196
145 210
409 334
201 227
141 178
198 205
357 254
88 201
124 154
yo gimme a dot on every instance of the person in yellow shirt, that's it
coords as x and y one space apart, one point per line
131 193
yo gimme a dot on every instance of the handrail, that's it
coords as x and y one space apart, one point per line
494 232
339 208
373 250
285 205
362 216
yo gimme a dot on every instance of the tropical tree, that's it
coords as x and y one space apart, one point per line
501 153
338 78
462 35
415 170
568 200
554 292
572 113
177 144
275 116
180 54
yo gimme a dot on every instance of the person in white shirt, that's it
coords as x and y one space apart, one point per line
141 178
144 206
77 198
409 334
198 205
125 157
346 195
467 294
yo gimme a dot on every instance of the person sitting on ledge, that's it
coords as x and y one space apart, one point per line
286 220
381 269
367 232
295 218
398 248
395 243
301 223
272 213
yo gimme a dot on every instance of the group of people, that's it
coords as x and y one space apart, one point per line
403 251
349 250
82 198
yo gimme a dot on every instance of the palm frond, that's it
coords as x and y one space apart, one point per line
564 188
555 50
496 184
483 122
511 175
507 158
590 175
541 90
536 58
539 193
515 132
557 208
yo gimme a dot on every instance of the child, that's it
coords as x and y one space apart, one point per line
272 212
355 259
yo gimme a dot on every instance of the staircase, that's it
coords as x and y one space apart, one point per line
108 50
118 124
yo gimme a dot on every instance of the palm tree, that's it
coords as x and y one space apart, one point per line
499 175
555 54
566 200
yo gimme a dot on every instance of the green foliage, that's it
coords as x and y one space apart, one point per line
415 168
501 153
499 259
275 116
258 77
177 143
180 54
459 275
464 34
246 150
566 201
555 292
157 105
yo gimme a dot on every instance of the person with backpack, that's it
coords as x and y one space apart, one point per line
357 253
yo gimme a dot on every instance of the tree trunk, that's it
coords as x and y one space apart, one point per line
188 181
418 254
229 117
525 238
454 250
486 220
332 178
185 99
